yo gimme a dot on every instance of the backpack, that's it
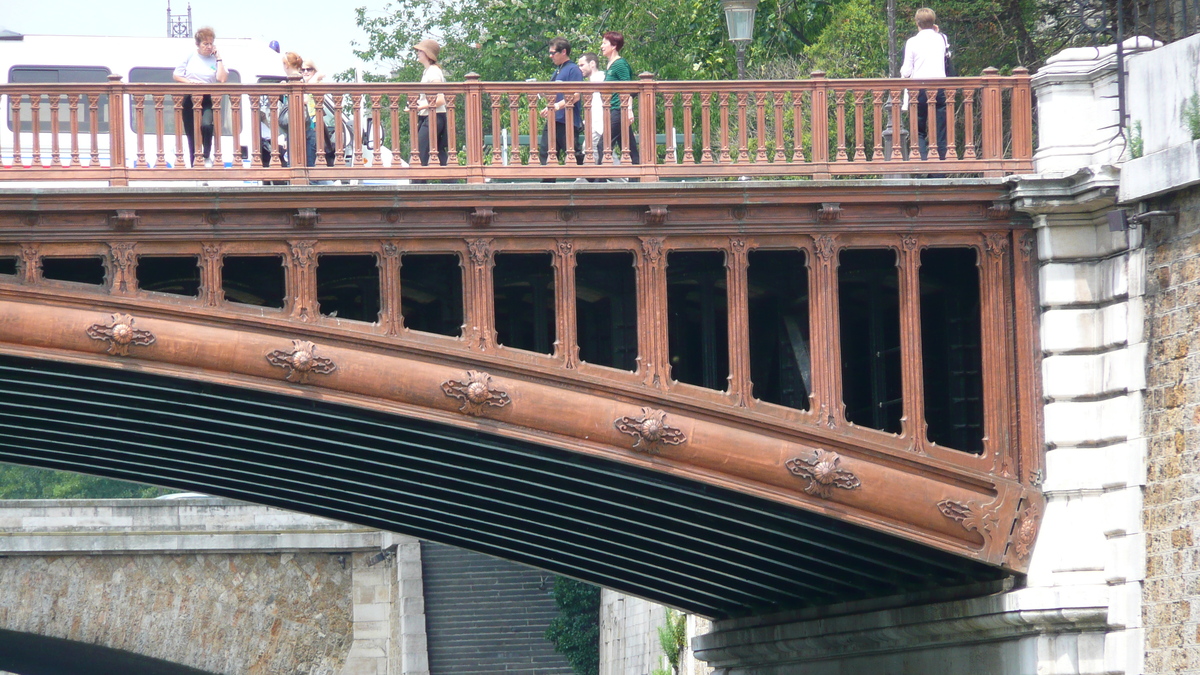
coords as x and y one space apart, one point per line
951 71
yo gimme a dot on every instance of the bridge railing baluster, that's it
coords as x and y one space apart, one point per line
709 129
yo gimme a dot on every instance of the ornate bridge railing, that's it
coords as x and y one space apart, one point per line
803 128
856 353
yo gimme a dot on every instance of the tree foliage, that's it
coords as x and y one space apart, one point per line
505 40
575 632
25 482
672 637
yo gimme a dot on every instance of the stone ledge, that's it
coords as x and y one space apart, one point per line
1000 617
1165 171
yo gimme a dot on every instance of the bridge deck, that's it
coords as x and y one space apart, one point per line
725 397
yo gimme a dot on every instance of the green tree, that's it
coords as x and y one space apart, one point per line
854 43
575 632
672 637
505 40
25 482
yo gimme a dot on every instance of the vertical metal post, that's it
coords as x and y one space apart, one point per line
893 62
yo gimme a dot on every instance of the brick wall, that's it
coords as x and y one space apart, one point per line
1171 597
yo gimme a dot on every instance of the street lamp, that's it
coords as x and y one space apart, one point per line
739 18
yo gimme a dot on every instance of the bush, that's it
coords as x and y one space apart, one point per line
575 632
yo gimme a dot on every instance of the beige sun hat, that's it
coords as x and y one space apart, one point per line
430 47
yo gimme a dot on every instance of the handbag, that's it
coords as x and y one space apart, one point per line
951 71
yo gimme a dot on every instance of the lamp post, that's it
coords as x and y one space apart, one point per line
739 18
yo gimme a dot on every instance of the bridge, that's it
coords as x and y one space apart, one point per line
210 585
729 397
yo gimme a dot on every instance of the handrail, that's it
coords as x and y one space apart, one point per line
816 128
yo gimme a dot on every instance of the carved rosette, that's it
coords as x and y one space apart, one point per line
823 472
1025 533
301 361
972 517
476 392
120 335
650 431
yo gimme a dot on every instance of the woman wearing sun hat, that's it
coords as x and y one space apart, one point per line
427 54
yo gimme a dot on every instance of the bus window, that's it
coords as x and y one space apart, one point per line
57 75
166 76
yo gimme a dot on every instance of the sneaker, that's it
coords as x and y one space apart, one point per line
581 180
208 164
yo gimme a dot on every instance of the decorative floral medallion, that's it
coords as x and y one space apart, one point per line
476 392
301 361
823 472
650 431
120 335
1026 534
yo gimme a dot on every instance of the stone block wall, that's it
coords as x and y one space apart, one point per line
218 612
1171 598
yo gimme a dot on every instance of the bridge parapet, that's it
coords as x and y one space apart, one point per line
857 351
797 128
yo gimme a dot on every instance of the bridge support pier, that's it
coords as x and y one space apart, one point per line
1012 633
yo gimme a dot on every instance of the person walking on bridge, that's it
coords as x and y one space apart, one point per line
619 71
555 113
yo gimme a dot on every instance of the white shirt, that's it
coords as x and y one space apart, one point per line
431 74
597 103
196 68
925 55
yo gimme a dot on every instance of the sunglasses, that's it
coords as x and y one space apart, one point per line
308 70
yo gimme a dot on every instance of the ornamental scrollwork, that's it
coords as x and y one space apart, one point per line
652 247
825 246
302 253
971 516
301 361
120 335
476 392
480 251
650 431
996 244
824 473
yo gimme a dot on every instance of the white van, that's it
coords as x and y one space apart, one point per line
63 59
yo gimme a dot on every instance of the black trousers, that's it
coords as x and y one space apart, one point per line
939 112
206 125
614 118
423 143
560 144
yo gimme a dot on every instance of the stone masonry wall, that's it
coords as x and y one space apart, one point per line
222 613
1171 598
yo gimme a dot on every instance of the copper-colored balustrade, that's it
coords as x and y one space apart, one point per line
984 504
803 128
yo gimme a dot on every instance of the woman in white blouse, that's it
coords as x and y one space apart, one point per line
204 66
